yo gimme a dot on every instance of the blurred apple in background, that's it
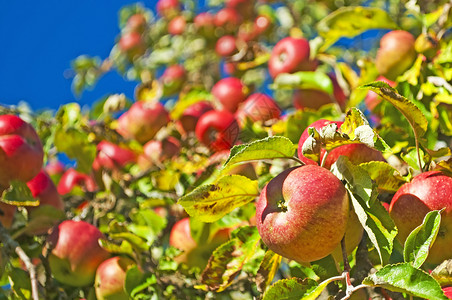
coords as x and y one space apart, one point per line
217 129
110 278
229 93
72 178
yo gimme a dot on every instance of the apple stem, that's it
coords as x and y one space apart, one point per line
13 245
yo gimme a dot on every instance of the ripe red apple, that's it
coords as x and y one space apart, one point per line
448 291
396 54
357 153
191 115
258 107
158 151
111 156
76 252
21 151
177 25
72 178
168 8
142 121
136 22
227 19
110 278
426 192
310 98
226 46
230 92
194 254
173 79
131 43
217 129
372 99
290 55
43 188
302 213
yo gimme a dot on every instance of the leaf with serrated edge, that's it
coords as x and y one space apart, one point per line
294 288
209 203
372 215
267 148
420 240
228 259
267 270
405 278
385 176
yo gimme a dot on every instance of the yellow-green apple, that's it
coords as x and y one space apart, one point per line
426 192
357 152
142 121
72 178
217 129
76 252
258 107
173 79
372 99
302 213
191 115
177 25
43 188
229 93
168 8
21 152
110 278
290 55
158 151
396 54
194 254
111 156
226 46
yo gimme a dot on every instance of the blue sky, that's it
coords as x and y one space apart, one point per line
39 39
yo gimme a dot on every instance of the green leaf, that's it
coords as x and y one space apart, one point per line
443 273
146 224
134 278
267 148
227 260
19 194
372 215
41 219
209 203
315 293
385 176
134 240
304 80
267 270
76 145
351 21
405 278
294 288
124 248
20 283
420 240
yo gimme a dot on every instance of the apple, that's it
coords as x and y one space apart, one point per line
217 129
136 22
194 255
158 151
131 43
43 188
76 252
142 121
302 213
258 107
21 152
191 115
426 192
226 46
172 79
448 291
229 93
110 278
353 235
396 54
7 212
111 156
310 98
72 178
427 44
177 25
228 19
54 167
204 24
168 8
244 7
372 99
290 55
357 153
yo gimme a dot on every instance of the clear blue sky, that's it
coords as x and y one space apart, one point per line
40 38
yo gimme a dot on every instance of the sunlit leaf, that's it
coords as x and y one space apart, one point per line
385 176
19 194
304 80
443 273
267 270
294 288
193 96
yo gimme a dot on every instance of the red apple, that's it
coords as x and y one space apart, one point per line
426 192
258 107
396 54
136 22
131 43
72 178
173 79
158 151
302 213
357 153
448 291
142 121
177 25
168 8
43 188
21 151
76 252
191 115
290 55
110 278
310 98
111 156
226 46
228 19
230 92
54 167
372 99
217 129
244 7
204 24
